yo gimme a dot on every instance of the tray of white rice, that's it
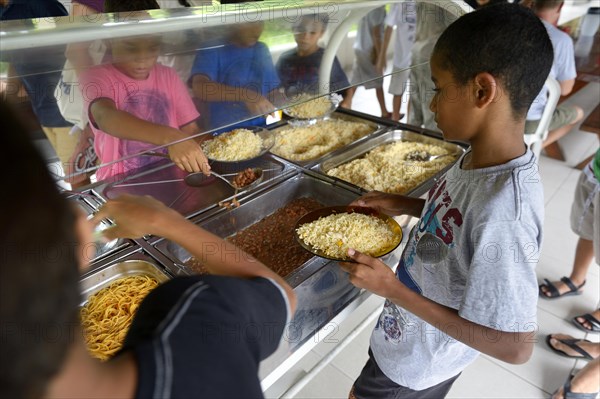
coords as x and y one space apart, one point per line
239 145
330 232
304 145
308 110
397 161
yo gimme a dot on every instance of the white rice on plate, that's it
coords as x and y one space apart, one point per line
310 109
237 145
335 234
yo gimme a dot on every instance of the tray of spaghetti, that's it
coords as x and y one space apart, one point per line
330 232
111 297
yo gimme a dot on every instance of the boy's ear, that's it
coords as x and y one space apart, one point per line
485 89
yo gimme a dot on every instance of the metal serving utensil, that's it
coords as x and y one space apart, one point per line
423 156
199 179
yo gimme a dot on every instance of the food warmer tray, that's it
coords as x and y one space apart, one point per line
89 203
352 117
165 183
359 150
128 263
323 289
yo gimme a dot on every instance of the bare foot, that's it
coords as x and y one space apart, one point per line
592 348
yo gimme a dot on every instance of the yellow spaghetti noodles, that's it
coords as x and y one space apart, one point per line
108 313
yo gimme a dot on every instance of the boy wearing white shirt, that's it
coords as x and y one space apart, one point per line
404 17
565 117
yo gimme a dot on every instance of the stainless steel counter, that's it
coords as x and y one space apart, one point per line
325 295
165 182
89 203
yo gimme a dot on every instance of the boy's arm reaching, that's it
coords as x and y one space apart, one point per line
186 154
137 216
374 275
206 89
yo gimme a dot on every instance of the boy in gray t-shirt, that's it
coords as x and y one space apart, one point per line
466 282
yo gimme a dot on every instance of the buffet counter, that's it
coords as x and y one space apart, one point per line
324 293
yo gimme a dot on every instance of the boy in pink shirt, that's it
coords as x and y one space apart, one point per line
135 104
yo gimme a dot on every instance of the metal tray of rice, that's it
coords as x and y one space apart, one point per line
387 162
308 145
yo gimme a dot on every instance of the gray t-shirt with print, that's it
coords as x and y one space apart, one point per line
474 249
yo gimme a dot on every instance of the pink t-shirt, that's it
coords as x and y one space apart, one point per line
162 99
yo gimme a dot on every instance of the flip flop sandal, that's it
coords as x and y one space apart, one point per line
594 322
571 343
555 293
567 394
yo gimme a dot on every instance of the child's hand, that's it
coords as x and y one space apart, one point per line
390 204
372 274
188 156
135 217
260 106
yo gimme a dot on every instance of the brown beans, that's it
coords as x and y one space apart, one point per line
272 239
244 178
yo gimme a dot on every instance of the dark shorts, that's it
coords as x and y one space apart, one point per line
373 384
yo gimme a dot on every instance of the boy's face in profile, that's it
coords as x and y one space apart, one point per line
247 34
307 35
135 57
450 103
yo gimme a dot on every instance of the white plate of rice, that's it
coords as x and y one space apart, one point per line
309 109
239 145
330 232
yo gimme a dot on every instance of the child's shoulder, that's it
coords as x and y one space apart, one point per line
510 191
103 73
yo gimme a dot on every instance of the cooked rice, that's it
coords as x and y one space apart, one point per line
315 108
385 168
237 145
335 234
309 142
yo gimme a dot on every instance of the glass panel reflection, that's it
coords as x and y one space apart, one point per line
103 102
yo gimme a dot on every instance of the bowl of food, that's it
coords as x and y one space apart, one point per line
239 145
329 232
309 110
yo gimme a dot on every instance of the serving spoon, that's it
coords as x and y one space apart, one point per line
198 179
423 156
